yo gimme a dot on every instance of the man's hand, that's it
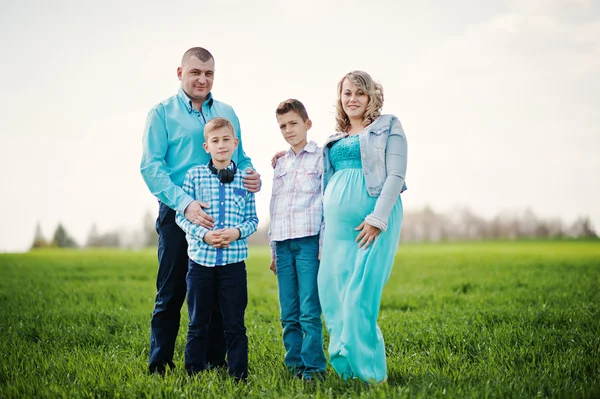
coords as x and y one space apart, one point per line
195 214
252 181
367 235
277 155
273 266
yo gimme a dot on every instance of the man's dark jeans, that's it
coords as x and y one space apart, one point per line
171 292
231 283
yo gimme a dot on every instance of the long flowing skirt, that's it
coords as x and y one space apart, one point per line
351 280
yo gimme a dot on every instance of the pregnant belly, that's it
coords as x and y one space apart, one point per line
346 199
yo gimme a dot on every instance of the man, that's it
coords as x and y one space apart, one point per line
173 143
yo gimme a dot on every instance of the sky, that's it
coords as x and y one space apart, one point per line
499 100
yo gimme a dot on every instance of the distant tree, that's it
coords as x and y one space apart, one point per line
111 239
463 224
582 228
96 240
38 238
93 238
528 224
149 230
556 228
62 239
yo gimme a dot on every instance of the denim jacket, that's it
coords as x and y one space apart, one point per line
383 153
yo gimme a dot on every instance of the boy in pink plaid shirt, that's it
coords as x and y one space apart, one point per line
294 235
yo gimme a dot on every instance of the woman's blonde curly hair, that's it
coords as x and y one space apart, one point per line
375 92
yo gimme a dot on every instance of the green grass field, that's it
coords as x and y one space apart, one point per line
460 320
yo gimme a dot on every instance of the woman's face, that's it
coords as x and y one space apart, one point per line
354 100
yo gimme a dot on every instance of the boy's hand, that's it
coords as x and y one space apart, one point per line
228 236
215 238
209 238
196 215
252 181
277 155
273 266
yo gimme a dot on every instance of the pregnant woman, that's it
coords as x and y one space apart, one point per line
364 172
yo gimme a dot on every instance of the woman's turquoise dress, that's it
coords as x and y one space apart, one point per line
350 279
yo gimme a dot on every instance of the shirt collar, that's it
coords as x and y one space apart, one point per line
188 102
311 146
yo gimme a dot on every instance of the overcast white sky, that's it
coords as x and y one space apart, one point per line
499 101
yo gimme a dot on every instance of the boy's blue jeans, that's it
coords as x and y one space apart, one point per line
230 282
297 269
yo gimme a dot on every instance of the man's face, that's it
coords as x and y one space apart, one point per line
293 128
196 77
220 144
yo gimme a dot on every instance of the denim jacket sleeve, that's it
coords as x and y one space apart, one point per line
395 160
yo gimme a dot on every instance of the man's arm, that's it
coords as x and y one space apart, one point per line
252 180
194 230
153 166
242 160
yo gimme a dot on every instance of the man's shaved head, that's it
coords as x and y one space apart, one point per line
201 53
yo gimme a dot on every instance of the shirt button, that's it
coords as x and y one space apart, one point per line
222 203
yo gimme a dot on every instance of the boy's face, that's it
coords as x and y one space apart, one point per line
220 144
293 128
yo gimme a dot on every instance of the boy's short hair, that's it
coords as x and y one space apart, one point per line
292 105
217 123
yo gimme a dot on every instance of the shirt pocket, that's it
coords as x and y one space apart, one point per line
379 138
308 180
376 157
279 181
239 198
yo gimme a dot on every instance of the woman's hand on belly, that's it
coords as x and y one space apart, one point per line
367 234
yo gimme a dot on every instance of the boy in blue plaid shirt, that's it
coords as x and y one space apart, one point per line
216 256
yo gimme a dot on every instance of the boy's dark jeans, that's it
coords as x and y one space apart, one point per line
230 282
171 291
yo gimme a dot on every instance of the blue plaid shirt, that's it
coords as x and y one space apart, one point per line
231 205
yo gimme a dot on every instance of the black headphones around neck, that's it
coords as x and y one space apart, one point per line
225 175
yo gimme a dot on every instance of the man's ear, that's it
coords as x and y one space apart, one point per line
235 142
179 73
308 124
205 147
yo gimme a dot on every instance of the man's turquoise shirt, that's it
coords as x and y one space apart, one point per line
173 143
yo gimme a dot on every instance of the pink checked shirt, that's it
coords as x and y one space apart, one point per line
296 202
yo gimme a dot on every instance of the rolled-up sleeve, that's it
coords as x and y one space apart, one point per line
153 167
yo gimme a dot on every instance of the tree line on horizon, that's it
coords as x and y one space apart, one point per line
423 225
